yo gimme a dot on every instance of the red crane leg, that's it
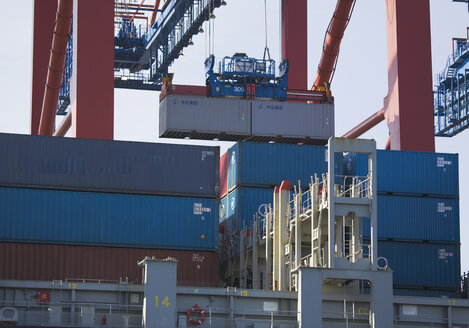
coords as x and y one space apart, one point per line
44 22
92 85
56 67
295 42
408 107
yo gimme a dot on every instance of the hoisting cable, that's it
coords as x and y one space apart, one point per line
211 29
266 49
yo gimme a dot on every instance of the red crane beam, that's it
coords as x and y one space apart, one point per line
332 40
136 11
64 126
153 16
56 66
366 125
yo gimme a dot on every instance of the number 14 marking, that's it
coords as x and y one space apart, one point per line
165 301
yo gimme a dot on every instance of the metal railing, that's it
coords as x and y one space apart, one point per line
73 314
353 250
246 66
353 187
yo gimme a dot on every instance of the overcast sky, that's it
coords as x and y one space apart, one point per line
359 84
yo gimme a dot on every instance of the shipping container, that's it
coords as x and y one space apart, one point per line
224 175
233 119
108 166
199 117
59 262
416 218
405 172
223 209
123 220
243 203
296 120
422 265
253 164
447 293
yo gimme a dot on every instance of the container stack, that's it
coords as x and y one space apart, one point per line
90 209
418 219
249 171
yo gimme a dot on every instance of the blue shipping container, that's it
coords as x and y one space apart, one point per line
450 293
422 265
108 166
88 218
243 204
406 172
252 164
416 218
223 209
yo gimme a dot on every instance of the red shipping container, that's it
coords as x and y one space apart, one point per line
59 262
224 175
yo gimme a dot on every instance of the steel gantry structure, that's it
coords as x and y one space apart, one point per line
137 56
451 103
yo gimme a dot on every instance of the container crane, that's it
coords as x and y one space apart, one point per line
144 65
451 93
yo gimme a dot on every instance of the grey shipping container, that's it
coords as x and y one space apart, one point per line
60 262
108 219
208 118
292 120
109 166
202 117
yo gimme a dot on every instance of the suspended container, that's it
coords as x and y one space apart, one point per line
233 119
405 172
123 220
293 120
208 118
108 166
108 264
416 219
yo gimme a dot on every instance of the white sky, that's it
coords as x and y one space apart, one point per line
359 85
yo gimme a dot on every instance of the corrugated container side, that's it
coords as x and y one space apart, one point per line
405 172
223 209
59 262
109 166
292 119
87 218
243 204
198 116
416 218
422 265
253 164
224 175
454 293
